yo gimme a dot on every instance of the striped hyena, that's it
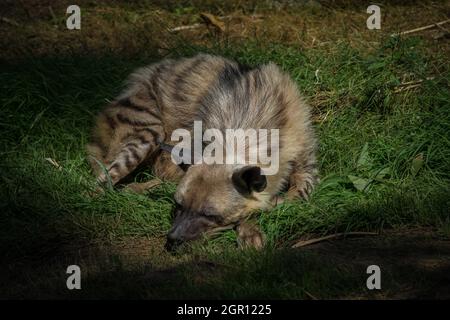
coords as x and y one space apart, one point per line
136 127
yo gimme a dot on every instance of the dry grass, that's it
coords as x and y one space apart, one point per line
38 27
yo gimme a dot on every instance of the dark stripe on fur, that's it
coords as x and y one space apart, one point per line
143 140
131 144
111 122
128 162
127 103
181 80
135 154
133 122
116 165
231 73
152 131
243 68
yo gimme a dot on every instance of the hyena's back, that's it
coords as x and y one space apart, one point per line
158 99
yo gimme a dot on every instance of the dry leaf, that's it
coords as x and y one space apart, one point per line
212 20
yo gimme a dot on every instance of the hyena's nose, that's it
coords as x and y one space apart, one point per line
172 242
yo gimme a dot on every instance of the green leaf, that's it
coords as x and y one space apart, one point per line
332 181
360 184
417 164
364 161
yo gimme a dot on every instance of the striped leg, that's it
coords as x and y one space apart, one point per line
134 150
141 187
126 135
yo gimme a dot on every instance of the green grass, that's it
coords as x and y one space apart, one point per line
384 159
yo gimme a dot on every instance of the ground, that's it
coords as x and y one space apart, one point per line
380 106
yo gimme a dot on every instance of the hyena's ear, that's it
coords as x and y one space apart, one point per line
249 179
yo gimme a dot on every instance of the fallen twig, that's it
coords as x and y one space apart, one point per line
304 243
437 24
54 163
445 33
442 28
414 81
410 85
406 88
198 25
180 28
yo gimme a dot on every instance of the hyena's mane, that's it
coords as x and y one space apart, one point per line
245 97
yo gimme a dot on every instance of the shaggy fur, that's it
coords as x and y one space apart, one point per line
223 94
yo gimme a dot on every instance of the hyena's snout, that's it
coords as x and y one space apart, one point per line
189 226
175 238
186 227
172 242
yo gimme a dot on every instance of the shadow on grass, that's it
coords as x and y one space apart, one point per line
413 265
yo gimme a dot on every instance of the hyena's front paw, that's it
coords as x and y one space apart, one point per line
249 235
142 187
302 184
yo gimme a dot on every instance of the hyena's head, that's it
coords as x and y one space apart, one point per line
213 198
